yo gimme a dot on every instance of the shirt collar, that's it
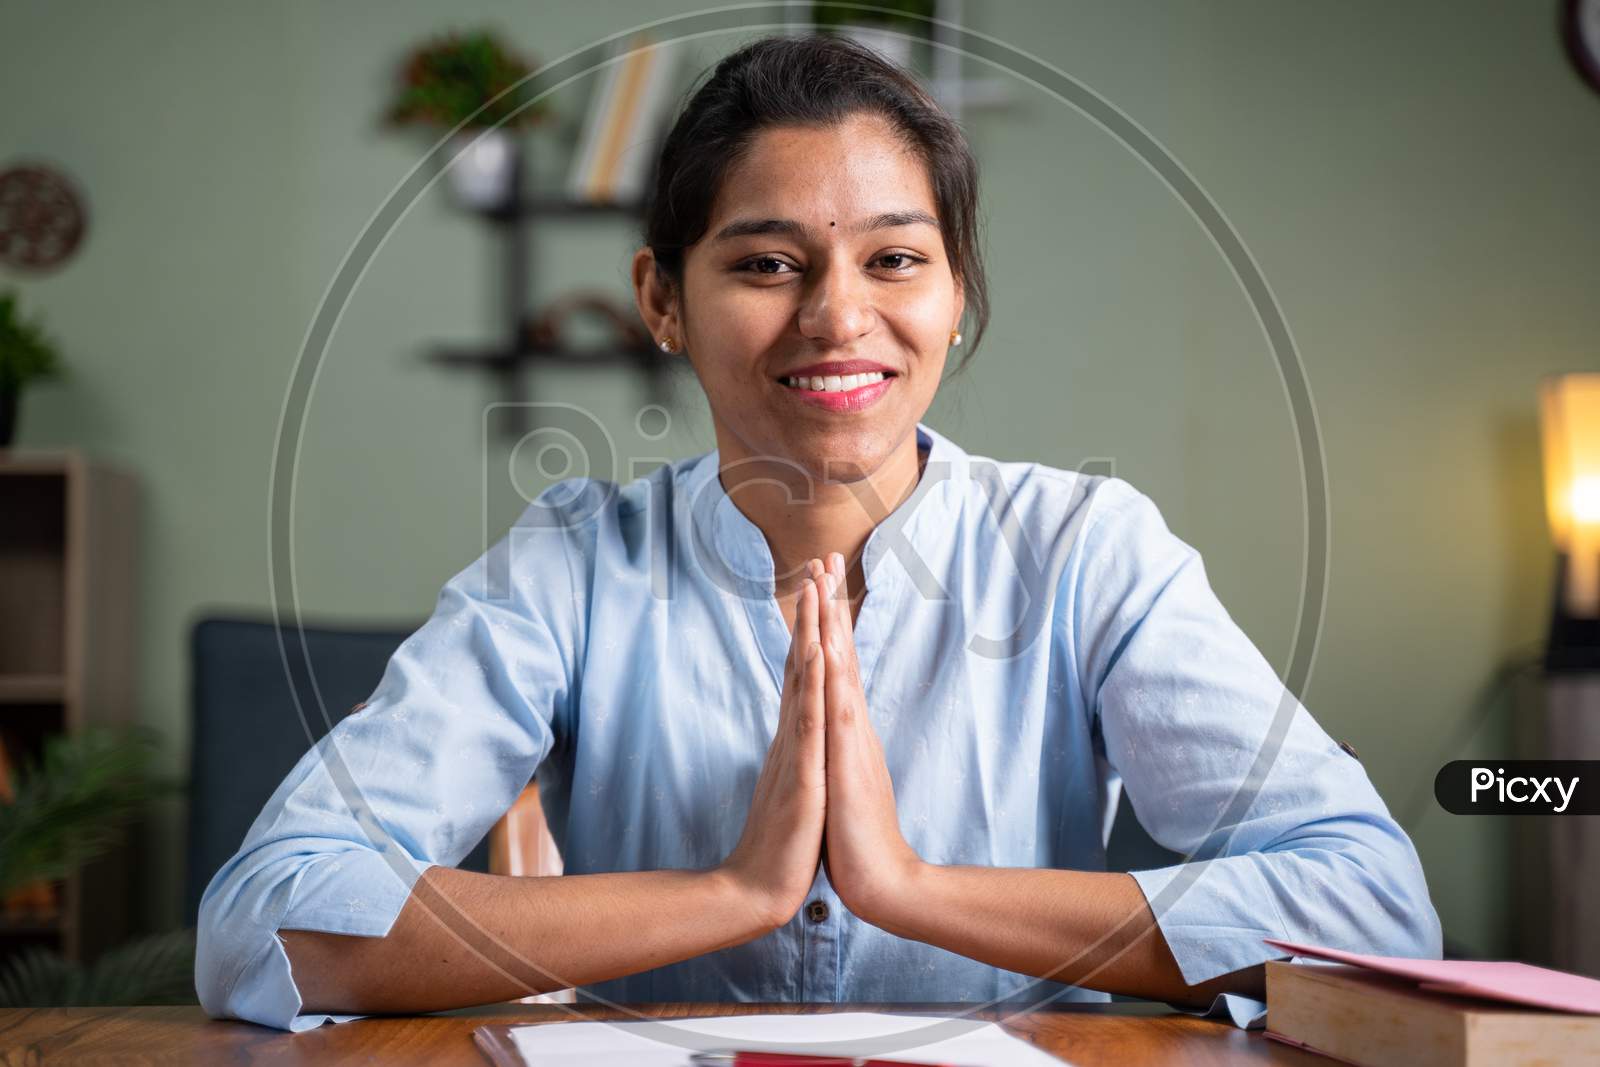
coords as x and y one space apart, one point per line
733 550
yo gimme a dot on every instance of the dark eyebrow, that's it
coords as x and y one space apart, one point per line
791 228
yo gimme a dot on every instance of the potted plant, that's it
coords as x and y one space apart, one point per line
888 32
26 355
61 811
448 81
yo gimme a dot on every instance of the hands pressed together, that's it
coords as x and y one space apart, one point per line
824 794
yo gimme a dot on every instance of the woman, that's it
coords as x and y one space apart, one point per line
836 712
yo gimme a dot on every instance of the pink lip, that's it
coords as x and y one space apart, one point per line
843 366
857 399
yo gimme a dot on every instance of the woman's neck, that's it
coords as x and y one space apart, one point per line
805 518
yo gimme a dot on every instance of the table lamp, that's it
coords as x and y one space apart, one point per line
1569 416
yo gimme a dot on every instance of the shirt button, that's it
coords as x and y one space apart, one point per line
817 911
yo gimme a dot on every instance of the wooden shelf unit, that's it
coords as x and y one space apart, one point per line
68 555
510 358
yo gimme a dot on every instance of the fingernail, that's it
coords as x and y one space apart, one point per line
811 651
833 583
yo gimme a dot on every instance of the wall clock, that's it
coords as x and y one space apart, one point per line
42 217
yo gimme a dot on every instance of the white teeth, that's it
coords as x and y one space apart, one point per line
834 383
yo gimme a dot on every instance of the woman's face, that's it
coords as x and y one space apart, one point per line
823 247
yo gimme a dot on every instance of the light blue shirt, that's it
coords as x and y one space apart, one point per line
1034 643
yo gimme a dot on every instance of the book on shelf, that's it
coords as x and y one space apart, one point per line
617 145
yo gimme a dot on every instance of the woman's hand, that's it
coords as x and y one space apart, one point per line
868 860
776 858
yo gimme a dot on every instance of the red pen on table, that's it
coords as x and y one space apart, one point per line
744 1058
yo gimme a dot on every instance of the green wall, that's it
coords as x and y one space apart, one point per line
1416 184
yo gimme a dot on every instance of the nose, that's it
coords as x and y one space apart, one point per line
837 307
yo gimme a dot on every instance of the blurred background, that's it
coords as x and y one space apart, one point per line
186 186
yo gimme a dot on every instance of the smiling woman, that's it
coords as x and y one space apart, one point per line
814 220
836 711
842 221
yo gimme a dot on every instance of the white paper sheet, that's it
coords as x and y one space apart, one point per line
668 1042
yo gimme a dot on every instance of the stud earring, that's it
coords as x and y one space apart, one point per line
667 344
955 337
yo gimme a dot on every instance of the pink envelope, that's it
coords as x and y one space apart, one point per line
1519 983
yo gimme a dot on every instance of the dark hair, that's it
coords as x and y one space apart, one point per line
810 80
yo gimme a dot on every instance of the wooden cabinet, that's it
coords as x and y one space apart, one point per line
68 546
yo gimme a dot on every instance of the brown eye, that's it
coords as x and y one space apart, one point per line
748 264
910 260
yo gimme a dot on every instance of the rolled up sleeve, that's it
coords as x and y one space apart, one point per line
1283 833
467 708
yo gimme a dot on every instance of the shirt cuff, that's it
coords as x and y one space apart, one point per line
273 998
1246 1013
1214 914
356 893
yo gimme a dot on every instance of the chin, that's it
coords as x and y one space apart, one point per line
840 457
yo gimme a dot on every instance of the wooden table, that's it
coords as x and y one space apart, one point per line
1127 1034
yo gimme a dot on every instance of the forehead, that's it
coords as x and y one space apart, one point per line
833 173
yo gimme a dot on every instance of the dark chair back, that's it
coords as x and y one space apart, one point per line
247 733
1130 847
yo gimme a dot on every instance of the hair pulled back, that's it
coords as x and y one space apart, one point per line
812 80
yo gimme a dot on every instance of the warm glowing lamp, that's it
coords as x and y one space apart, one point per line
1569 414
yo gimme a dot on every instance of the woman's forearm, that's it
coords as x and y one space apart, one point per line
464 938
1086 928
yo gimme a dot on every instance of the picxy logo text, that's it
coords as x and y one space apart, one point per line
1522 790
1519 787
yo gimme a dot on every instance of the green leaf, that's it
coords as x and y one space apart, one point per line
74 802
152 970
446 81
25 352
901 13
